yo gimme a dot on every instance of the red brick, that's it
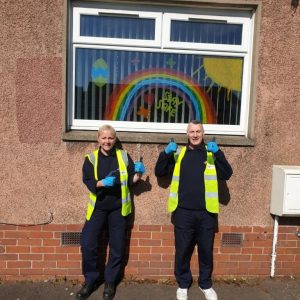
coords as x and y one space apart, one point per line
282 257
240 229
221 257
163 235
41 234
74 227
291 265
55 227
139 264
134 242
150 257
74 271
134 256
8 242
287 229
262 243
160 264
230 250
167 228
262 229
162 250
261 257
292 251
241 257
141 235
252 250
168 243
30 228
139 249
55 256
51 242
17 249
18 264
7 227
260 271
74 257
69 264
144 242
30 256
149 228
168 272
16 234
31 271
131 271
67 249
35 242
43 264
147 271
167 257
9 271
287 243
267 250
42 249
225 265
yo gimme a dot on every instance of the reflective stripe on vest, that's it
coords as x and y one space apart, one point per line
125 194
210 183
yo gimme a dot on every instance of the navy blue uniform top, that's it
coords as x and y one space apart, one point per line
191 191
108 198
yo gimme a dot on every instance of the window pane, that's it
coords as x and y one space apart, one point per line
206 32
117 27
157 87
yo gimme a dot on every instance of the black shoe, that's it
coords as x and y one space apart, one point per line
86 291
109 291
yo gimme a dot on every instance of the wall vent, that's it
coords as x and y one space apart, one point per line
70 238
232 239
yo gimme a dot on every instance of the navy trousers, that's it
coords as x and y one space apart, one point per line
116 226
194 228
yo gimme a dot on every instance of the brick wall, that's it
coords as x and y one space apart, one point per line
36 253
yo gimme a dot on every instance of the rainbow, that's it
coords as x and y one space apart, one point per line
123 97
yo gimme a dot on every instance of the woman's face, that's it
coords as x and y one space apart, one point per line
107 141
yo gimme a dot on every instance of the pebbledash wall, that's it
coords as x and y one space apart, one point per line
42 198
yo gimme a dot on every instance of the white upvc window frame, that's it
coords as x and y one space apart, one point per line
243 20
163 44
77 38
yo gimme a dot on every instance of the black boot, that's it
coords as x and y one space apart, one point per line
109 291
87 290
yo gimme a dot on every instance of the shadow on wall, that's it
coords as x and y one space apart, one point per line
294 5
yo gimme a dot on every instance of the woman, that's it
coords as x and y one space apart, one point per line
107 172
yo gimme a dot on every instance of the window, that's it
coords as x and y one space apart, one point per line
155 68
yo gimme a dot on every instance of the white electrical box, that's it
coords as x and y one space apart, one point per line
285 198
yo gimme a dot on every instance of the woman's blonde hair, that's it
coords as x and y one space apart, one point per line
106 127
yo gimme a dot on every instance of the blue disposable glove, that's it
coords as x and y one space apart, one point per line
139 167
212 147
171 147
109 181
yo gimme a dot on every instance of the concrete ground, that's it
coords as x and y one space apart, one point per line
259 289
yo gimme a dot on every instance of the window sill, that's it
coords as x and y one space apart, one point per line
155 138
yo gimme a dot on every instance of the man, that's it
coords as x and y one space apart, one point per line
107 172
194 204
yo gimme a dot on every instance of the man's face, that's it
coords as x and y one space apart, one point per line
195 134
106 140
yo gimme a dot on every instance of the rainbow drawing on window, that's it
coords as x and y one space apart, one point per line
124 97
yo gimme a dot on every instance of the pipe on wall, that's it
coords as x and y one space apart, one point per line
275 238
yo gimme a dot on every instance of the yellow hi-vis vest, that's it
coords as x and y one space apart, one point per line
210 184
125 194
